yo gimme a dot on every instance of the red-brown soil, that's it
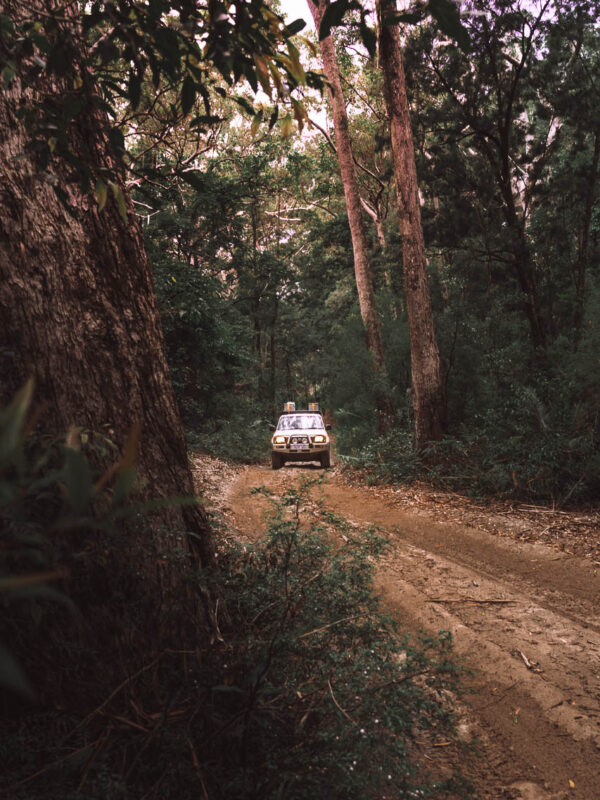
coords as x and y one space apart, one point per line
522 607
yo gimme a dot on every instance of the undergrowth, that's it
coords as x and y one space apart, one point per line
309 691
553 467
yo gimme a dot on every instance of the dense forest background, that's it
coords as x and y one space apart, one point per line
252 260
178 257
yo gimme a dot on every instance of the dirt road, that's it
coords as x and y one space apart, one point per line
523 616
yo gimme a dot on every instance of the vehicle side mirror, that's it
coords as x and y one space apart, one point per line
328 427
271 427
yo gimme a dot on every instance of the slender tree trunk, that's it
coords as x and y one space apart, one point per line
258 348
380 233
290 384
582 257
522 258
364 282
273 357
429 397
78 313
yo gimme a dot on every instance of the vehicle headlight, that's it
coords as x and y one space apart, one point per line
279 439
318 439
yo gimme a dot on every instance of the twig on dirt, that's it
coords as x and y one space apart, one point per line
337 705
538 510
130 722
526 661
470 600
498 699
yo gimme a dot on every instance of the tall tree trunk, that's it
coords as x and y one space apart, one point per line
362 270
429 397
78 313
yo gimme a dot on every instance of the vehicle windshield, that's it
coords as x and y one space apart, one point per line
299 422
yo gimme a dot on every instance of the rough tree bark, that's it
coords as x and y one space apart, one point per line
362 270
78 313
429 397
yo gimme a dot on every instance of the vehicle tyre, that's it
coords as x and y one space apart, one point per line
276 461
325 459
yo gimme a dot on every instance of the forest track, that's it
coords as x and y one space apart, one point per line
524 619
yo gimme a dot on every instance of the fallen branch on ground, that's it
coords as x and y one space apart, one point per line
470 600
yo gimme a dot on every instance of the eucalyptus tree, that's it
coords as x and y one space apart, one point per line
78 309
429 396
360 244
502 110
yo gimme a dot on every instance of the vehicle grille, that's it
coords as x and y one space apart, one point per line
298 439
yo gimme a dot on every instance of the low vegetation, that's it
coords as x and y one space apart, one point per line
305 689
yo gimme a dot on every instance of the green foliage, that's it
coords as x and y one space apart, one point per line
31 478
520 446
107 57
445 13
63 505
312 691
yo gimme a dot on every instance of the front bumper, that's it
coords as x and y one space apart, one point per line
308 453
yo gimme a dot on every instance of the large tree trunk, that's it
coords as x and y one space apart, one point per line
78 313
362 270
429 397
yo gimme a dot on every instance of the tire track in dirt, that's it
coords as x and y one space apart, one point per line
534 651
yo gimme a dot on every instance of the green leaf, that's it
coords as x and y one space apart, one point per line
12 422
124 483
11 675
333 16
273 117
120 200
79 482
195 179
286 126
296 70
167 43
101 193
134 90
243 103
295 27
188 94
256 122
262 72
8 74
27 583
447 16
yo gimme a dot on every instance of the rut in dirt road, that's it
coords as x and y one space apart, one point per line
524 618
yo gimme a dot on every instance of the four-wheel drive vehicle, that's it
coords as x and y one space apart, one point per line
300 436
